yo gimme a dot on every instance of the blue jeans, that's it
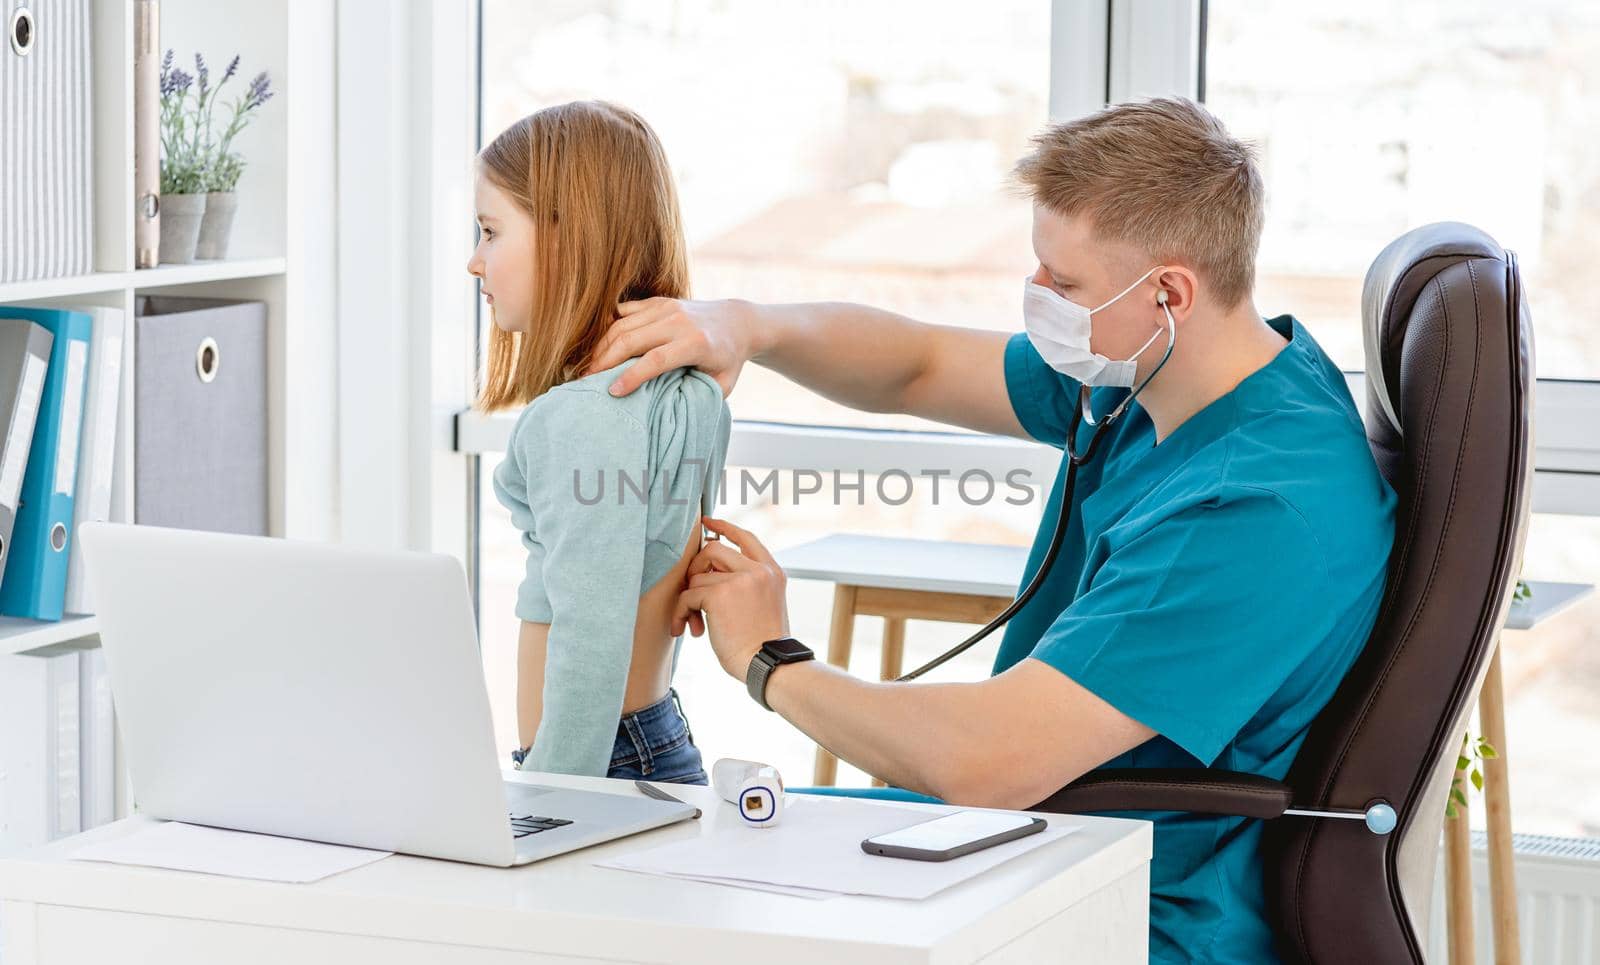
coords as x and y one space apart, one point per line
653 744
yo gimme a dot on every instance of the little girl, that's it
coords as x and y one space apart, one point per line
577 213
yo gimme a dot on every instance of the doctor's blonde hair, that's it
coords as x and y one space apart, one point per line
1162 174
594 178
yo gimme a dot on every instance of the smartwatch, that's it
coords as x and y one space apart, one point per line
772 654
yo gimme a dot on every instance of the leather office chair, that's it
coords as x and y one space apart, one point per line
1352 835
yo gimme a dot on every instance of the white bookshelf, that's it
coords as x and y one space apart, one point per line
283 252
75 631
104 282
258 266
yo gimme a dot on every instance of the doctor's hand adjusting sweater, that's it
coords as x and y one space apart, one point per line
606 492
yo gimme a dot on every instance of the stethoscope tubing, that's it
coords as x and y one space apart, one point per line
1074 460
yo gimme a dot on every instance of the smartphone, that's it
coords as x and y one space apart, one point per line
953 835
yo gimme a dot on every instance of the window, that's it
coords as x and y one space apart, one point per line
1375 118
864 158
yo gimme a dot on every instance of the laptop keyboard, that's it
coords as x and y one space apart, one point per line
528 824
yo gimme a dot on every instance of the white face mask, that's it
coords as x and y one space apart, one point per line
1060 328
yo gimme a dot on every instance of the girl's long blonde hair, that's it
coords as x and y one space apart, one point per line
594 179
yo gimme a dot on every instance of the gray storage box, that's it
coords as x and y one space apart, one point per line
200 414
46 183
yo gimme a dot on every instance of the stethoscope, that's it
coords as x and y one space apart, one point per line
1074 460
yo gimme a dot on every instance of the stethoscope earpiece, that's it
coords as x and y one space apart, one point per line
1161 297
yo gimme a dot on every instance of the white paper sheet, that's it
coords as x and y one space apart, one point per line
237 854
818 848
811 893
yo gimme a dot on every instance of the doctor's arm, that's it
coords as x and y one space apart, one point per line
1008 741
859 356
1175 635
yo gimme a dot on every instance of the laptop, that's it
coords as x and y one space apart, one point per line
322 692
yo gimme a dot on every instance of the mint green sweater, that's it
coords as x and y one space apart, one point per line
605 491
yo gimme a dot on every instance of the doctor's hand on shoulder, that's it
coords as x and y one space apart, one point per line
669 333
734 595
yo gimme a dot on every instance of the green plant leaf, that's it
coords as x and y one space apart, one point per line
1477 780
1450 810
1461 763
1460 797
1486 751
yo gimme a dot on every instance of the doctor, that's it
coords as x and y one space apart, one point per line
1228 542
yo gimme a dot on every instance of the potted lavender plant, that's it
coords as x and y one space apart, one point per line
199 173
224 166
183 198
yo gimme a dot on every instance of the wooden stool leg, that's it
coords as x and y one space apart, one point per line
894 648
840 635
1497 813
1458 882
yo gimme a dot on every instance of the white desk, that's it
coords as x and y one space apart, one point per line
1082 898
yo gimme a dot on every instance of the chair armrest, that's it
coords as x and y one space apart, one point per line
1195 790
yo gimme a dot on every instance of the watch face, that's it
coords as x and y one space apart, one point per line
786 649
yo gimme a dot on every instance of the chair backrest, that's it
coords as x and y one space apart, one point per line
1449 406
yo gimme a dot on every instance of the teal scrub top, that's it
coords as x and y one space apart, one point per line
1215 587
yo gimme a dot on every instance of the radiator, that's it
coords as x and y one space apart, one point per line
1558 902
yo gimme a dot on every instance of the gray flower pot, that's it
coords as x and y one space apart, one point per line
181 215
217 225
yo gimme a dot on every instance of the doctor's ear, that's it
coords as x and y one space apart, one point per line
1177 291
